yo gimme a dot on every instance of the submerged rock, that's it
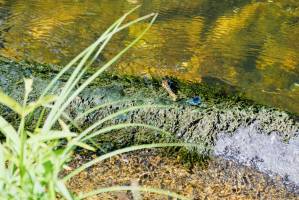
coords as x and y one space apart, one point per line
268 153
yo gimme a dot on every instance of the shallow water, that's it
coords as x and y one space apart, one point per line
250 45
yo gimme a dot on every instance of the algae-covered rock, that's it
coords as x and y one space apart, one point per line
218 114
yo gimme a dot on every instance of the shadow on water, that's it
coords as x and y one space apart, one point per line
248 45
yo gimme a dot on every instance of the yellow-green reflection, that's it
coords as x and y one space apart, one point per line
252 45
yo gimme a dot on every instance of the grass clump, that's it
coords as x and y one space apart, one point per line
31 160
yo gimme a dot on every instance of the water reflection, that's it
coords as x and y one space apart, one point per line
252 45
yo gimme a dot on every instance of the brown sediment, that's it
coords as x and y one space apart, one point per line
217 179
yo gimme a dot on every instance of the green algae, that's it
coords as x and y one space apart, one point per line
216 93
224 109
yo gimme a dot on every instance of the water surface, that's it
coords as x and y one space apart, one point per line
248 44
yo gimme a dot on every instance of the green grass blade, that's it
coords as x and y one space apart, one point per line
122 126
98 107
40 102
124 150
138 20
72 81
63 71
132 188
74 124
85 146
63 190
135 193
74 78
109 117
2 166
65 91
10 103
52 135
10 133
96 124
115 31
108 64
77 58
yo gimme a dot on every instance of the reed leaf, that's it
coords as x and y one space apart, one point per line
121 151
10 134
132 188
102 69
111 116
98 107
122 126
10 103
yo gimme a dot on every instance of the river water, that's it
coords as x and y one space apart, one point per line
251 45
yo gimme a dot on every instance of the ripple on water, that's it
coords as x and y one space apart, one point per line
252 45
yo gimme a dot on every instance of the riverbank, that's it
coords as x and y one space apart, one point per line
216 179
224 125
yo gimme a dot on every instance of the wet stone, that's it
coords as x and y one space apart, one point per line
248 146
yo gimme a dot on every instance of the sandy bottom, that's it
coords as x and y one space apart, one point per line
218 179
